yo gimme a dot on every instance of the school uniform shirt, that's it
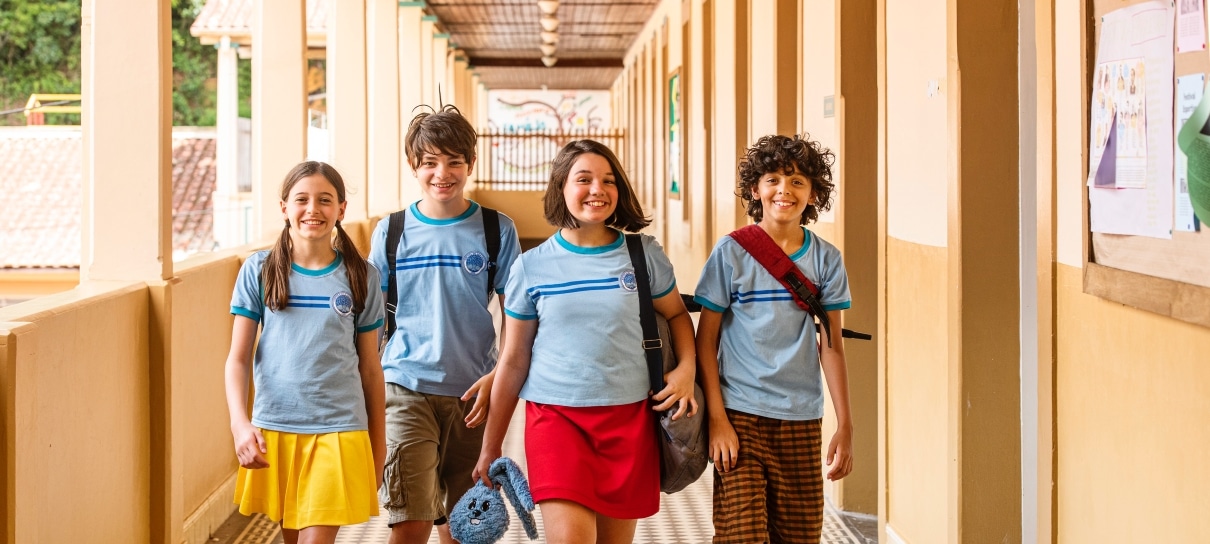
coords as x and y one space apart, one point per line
588 349
444 340
306 366
768 358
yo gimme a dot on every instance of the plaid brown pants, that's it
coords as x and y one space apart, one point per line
774 493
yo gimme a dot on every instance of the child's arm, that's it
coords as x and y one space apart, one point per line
840 449
511 371
249 442
373 386
481 390
724 443
679 389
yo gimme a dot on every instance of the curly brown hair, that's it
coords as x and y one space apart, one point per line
787 154
628 215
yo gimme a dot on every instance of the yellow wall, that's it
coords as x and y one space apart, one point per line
917 391
76 420
523 207
1132 400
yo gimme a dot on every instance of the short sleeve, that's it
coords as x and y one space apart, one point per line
834 281
517 302
378 252
713 287
659 268
246 299
510 248
372 316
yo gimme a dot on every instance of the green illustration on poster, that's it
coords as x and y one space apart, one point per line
675 137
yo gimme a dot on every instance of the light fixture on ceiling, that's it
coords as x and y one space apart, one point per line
549 60
549 23
548 6
550 37
548 49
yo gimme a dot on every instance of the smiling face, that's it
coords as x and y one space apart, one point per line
312 207
591 192
443 177
783 197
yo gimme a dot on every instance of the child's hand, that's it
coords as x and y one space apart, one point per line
249 446
678 392
486 458
482 392
724 444
840 450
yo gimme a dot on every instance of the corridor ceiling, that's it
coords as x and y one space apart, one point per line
502 40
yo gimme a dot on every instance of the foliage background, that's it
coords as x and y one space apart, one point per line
40 53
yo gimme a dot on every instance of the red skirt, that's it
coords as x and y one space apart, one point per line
603 457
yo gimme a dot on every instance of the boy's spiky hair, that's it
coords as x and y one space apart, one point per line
440 130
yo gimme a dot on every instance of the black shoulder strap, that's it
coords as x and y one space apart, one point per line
491 235
652 345
394 235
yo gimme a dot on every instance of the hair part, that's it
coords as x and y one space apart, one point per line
443 131
275 275
787 154
627 215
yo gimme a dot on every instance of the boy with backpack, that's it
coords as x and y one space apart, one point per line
441 261
759 359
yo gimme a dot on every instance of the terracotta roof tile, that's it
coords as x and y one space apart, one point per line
40 193
234 18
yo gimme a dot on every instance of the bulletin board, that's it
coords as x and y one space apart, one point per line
1167 273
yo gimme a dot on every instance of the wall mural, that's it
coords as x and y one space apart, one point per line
526 129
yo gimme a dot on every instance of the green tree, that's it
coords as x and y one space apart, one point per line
40 53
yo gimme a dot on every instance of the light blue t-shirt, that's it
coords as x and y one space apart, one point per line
445 340
588 349
768 363
305 367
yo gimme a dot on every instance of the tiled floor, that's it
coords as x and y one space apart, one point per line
684 518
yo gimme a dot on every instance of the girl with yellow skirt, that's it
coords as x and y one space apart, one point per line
311 455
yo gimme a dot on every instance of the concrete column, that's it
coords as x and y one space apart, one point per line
229 227
984 417
428 70
729 97
127 137
347 100
441 69
462 84
411 88
279 106
382 54
774 53
860 199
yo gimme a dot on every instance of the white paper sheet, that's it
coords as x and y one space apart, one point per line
1188 95
1142 31
1190 26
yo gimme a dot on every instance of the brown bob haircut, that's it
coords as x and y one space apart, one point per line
785 154
627 216
443 131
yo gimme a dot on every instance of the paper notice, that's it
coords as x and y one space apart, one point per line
1194 139
1188 96
1190 26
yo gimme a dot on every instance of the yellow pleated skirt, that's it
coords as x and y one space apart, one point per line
312 479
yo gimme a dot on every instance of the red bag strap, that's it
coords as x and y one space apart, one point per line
761 246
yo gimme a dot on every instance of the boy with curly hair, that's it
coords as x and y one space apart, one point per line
759 358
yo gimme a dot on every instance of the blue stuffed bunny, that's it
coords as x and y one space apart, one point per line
481 517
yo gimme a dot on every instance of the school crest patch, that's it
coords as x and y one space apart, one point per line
342 303
628 282
474 263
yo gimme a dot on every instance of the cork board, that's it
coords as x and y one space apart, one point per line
1168 277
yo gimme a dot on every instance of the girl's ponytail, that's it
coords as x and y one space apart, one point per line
275 274
355 265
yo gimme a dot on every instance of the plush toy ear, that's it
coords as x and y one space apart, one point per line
505 473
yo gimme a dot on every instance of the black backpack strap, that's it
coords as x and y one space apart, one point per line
652 345
491 235
394 236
